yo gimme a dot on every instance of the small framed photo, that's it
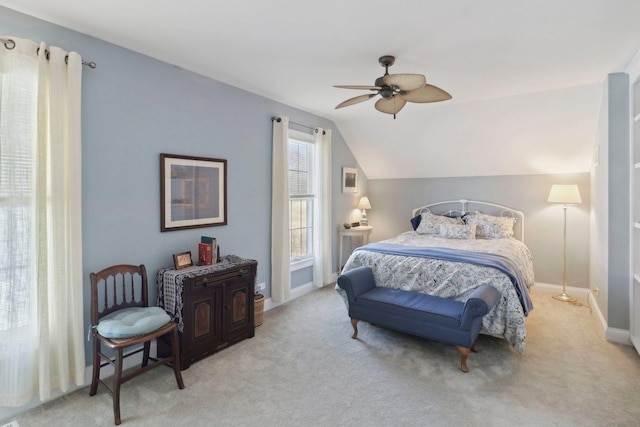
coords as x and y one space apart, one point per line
349 180
182 260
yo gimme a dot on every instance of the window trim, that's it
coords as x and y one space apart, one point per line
306 261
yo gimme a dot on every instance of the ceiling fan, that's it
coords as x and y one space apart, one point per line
396 90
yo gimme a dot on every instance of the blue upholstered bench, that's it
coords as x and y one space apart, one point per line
439 319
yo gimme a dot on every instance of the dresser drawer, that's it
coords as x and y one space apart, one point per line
203 283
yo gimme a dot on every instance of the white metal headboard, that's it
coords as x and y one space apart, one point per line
463 208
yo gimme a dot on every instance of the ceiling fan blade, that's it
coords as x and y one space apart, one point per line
391 105
361 87
405 81
355 100
427 93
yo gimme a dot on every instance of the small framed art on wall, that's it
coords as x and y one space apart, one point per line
349 180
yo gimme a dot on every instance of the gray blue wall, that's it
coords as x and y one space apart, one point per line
135 108
610 217
618 190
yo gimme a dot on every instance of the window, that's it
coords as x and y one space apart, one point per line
17 224
301 197
17 231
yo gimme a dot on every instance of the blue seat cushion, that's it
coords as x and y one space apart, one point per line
132 322
413 305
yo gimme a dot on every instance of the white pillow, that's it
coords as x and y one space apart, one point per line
490 226
458 231
430 223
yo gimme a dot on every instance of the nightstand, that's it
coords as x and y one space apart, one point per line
363 232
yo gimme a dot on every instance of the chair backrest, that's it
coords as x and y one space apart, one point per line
118 287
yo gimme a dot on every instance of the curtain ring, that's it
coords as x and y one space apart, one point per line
9 44
46 53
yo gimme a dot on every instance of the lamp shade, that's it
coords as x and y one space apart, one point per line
567 194
364 203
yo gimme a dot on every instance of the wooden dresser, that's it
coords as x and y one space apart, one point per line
212 305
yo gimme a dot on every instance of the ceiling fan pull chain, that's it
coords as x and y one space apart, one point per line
394 108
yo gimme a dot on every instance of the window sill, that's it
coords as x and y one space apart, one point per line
300 264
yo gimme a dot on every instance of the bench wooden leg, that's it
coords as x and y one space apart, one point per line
354 323
464 352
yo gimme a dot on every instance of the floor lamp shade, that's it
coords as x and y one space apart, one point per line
568 195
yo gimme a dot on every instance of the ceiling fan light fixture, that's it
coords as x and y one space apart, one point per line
386 92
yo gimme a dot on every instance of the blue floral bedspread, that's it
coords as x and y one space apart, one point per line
456 280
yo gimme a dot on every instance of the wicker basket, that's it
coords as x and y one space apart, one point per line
258 309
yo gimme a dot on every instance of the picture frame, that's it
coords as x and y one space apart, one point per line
193 192
182 260
349 180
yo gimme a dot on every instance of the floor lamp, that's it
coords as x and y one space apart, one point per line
568 195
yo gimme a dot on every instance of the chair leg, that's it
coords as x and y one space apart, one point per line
175 351
145 353
96 367
464 352
117 377
354 323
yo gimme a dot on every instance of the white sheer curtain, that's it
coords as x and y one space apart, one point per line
280 241
41 304
322 229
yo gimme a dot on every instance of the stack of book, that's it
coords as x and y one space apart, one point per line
208 251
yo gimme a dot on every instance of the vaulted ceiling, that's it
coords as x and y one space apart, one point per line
526 77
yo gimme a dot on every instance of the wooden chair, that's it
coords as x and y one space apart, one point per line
118 294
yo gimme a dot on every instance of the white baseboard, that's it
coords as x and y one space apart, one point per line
549 289
613 335
618 336
296 292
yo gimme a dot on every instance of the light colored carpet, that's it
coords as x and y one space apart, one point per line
303 368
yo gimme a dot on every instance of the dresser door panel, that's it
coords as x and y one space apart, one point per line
204 319
238 309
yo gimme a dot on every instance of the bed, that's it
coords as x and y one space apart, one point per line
453 248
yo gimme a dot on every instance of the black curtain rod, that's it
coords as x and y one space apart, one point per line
278 119
10 44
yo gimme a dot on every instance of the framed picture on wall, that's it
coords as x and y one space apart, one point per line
193 192
349 180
